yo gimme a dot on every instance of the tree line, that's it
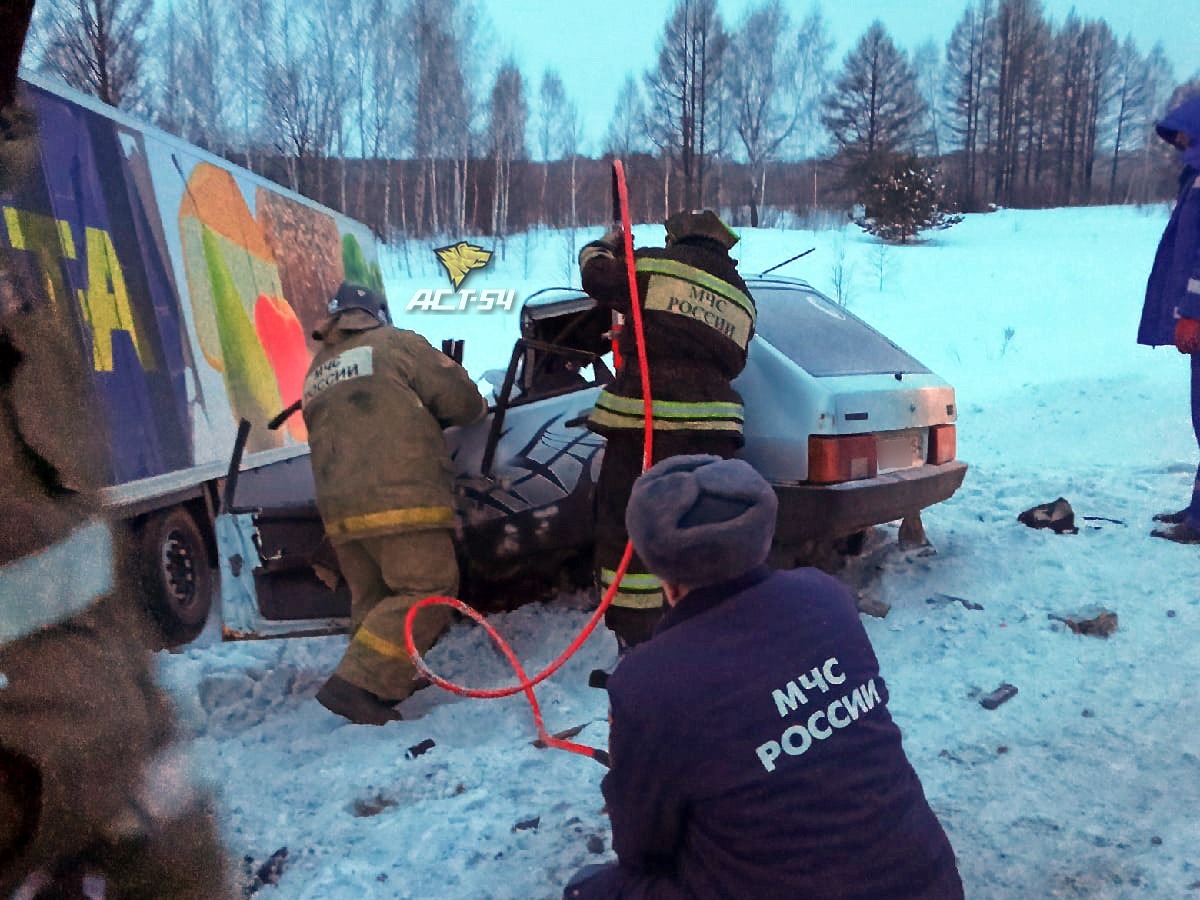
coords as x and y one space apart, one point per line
380 108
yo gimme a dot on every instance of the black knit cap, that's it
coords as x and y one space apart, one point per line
699 520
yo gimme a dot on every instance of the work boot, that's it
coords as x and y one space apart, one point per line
1181 533
1172 518
357 704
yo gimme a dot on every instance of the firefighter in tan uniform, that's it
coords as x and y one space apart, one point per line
376 399
698 317
94 799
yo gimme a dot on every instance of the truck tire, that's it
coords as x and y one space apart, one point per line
177 580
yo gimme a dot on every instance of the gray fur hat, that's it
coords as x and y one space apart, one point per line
699 520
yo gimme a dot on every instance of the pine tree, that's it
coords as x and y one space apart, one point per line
901 198
875 107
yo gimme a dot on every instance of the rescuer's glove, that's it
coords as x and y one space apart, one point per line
614 239
612 244
1187 335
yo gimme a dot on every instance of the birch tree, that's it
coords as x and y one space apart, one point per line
441 110
626 133
682 86
95 46
508 114
813 48
552 103
201 67
764 111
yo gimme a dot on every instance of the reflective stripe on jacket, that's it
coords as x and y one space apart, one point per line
614 411
683 290
698 319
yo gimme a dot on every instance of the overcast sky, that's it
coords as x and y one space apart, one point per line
594 45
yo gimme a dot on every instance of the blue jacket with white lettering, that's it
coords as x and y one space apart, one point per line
753 756
1173 288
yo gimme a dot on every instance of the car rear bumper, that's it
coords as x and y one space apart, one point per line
831 511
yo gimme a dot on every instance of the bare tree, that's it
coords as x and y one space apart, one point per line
96 46
329 56
251 52
1130 95
927 66
1102 86
1021 33
969 69
200 67
552 103
509 112
572 140
1085 51
813 47
386 126
626 135
168 110
1159 78
764 112
681 88
291 98
441 105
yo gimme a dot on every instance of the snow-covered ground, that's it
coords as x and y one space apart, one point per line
1085 784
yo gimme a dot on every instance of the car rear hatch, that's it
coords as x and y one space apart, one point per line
841 409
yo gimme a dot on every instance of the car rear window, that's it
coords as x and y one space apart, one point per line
822 337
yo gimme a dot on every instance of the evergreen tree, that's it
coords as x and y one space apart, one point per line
875 108
902 198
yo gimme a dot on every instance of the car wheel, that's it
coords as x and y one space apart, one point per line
852 545
823 555
175 577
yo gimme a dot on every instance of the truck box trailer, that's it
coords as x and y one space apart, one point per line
190 287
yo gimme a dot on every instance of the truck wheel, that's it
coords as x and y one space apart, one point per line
176 577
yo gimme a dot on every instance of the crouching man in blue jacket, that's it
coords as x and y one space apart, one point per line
752 750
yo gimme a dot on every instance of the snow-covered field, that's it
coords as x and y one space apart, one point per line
1086 784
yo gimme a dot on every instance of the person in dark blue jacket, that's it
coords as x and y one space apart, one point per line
1171 314
752 751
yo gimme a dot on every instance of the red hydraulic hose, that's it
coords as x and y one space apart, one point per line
525 683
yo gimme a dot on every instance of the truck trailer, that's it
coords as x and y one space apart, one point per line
189 286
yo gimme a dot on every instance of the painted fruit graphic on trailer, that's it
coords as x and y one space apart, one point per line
282 337
358 270
231 272
307 247
249 379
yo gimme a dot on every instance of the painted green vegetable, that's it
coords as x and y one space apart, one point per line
249 379
358 270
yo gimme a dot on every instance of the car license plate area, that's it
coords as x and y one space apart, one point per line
900 449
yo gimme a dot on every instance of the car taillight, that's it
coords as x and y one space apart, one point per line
943 444
846 457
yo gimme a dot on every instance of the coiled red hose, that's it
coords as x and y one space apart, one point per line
526 683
